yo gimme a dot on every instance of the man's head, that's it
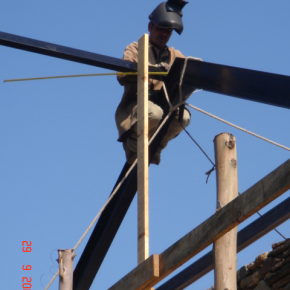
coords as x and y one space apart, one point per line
168 15
158 35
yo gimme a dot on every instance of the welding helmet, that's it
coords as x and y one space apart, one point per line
169 15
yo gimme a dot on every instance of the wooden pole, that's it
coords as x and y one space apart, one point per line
225 248
65 260
142 149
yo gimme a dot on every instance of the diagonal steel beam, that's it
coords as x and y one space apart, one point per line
251 233
108 225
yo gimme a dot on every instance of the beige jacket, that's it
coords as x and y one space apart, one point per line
126 112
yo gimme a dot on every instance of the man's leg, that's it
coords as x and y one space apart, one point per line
155 114
175 128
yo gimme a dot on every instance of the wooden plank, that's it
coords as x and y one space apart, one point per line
259 195
228 217
248 235
225 248
141 276
142 149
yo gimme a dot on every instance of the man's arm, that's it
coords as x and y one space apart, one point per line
131 54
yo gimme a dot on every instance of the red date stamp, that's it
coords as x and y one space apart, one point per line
26 281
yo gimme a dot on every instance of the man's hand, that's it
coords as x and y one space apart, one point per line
166 66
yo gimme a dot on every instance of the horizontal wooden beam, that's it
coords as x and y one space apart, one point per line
232 214
141 276
259 195
248 235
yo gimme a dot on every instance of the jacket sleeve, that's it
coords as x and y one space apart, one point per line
179 54
131 54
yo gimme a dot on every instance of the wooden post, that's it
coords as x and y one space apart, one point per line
142 149
65 260
225 248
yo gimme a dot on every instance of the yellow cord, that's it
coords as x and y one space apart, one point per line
84 75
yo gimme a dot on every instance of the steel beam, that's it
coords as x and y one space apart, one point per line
251 233
262 87
68 53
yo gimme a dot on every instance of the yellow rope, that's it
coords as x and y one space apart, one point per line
83 75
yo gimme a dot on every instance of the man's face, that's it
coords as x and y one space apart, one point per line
159 36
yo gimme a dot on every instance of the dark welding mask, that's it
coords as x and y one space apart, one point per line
169 15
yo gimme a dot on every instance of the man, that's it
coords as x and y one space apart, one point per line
165 18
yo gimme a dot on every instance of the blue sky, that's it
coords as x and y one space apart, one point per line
59 156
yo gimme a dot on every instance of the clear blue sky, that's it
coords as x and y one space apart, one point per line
59 152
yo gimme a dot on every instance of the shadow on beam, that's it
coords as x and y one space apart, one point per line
246 237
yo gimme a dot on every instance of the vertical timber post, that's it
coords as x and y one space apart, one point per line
142 149
65 260
225 248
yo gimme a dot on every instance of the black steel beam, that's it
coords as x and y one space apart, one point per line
246 237
68 53
268 88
